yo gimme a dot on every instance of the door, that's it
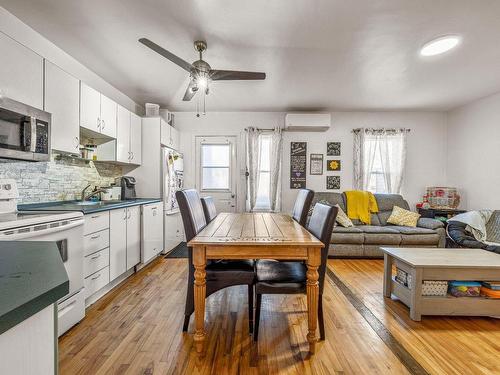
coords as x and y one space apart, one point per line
21 75
133 236
216 170
123 135
135 139
117 242
108 116
62 97
90 108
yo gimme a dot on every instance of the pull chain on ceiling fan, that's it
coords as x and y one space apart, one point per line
200 72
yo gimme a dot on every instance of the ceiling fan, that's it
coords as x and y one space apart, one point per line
200 72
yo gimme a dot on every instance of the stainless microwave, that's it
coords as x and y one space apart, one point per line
24 131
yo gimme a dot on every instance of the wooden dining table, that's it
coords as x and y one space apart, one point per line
255 236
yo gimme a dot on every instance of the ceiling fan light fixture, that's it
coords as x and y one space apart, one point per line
440 45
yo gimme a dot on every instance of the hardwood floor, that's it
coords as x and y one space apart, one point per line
137 329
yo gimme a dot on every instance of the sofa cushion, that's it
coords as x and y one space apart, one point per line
400 216
380 235
350 235
331 198
426 222
386 203
410 230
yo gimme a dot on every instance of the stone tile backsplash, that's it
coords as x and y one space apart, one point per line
62 178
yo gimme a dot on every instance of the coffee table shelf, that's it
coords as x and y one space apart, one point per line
441 264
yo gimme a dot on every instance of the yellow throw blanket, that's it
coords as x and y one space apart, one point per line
360 205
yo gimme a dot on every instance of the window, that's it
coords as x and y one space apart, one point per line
215 166
263 202
376 178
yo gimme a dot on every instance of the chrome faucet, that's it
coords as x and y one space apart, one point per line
85 196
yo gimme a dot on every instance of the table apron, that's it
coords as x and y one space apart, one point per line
255 252
477 274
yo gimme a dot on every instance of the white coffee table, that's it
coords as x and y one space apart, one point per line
441 264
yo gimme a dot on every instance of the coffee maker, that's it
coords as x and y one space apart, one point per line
127 184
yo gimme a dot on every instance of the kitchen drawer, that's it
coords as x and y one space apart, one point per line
96 222
96 281
95 262
70 311
95 242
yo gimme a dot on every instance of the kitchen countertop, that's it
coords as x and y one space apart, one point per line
32 277
87 207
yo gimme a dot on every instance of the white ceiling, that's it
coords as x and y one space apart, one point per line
318 54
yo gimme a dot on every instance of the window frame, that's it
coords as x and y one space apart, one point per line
229 167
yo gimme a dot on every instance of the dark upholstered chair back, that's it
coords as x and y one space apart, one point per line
302 205
209 208
192 214
321 225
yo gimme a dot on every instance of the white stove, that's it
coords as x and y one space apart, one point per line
65 229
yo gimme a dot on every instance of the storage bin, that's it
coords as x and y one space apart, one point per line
490 293
429 287
465 288
152 110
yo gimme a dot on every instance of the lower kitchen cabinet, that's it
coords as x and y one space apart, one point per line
133 236
152 231
96 281
124 240
117 243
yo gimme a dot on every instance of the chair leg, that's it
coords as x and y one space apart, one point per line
188 310
321 320
250 309
257 317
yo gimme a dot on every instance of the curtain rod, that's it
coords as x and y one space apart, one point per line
380 129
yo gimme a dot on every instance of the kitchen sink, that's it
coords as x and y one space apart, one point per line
87 203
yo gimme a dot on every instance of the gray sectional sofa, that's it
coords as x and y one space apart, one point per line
366 240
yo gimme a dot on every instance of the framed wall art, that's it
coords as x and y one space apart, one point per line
333 182
333 149
316 164
298 164
333 165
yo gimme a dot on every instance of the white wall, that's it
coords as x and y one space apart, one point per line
22 33
473 162
426 161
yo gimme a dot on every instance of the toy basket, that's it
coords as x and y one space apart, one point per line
429 287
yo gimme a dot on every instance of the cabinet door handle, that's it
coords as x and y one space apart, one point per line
125 214
129 215
95 277
131 153
77 143
103 124
95 237
94 217
96 257
98 123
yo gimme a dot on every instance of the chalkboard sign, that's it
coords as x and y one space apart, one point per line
298 162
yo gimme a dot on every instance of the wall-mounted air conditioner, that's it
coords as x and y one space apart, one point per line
308 122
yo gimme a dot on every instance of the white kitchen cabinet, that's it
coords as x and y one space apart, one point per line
135 139
97 112
123 127
174 138
117 243
164 132
133 236
152 231
108 116
90 108
21 75
173 230
62 98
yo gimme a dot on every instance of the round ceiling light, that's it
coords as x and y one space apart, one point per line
440 45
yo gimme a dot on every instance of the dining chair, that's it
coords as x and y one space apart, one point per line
274 277
220 274
209 208
302 206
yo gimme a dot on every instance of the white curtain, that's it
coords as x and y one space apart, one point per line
382 151
252 166
275 170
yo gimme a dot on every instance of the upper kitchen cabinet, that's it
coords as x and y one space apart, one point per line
135 139
62 101
123 135
97 112
108 116
90 108
21 76
169 136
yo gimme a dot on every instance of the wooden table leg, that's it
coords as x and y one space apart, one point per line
313 262
199 262
416 295
387 275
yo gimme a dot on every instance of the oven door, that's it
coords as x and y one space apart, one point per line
68 235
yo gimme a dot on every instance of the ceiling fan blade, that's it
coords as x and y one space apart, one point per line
188 95
228 75
169 55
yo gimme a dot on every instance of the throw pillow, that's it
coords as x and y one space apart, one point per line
400 216
342 218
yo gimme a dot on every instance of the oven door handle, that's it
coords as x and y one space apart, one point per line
20 236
